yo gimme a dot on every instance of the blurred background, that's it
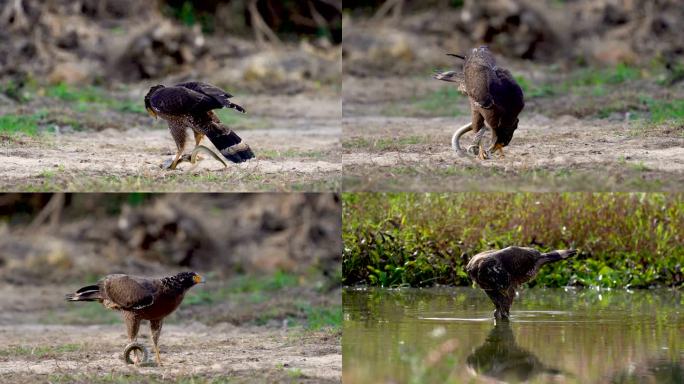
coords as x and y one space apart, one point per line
58 237
98 42
574 32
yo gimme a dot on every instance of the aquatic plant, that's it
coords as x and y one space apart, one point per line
625 239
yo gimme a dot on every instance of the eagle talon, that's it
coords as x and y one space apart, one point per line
482 154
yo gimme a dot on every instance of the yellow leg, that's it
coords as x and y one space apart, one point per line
155 327
175 161
498 147
481 153
156 352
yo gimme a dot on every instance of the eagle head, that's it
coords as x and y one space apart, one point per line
189 279
147 100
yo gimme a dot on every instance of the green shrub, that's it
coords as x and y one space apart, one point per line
625 239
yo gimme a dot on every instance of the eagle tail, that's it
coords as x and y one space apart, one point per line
229 143
557 255
234 106
456 55
89 293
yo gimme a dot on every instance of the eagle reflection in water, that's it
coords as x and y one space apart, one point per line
501 358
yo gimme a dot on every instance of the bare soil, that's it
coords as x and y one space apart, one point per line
242 354
388 144
295 139
36 347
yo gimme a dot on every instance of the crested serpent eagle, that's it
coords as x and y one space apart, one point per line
500 272
190 105
140 298
495 98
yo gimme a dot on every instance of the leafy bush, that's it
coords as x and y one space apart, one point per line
625 239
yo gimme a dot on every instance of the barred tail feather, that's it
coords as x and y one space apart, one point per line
230 144
89 293
234 106
557 255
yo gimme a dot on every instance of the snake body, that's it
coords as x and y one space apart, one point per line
131 348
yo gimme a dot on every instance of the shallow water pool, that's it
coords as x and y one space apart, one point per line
449 335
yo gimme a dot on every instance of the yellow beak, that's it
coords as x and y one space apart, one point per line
198 279
151 112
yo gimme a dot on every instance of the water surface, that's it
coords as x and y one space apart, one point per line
555 335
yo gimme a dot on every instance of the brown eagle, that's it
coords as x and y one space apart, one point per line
500 272
495 97
190 105
140 298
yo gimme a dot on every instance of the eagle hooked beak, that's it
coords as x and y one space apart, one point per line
198 279
151 112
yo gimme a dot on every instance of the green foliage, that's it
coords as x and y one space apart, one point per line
662 110
15 90
318 317
447 101
187 14
26 124
255 286
89 97
82 313
625 240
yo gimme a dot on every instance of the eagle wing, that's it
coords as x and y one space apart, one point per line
506 91
216 93
519 261
478 79
180 101
206 89
128 292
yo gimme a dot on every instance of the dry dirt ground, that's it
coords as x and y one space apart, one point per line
59 353
394 140
37 345
295 139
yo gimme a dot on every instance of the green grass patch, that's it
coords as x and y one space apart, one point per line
256 288
82 313
663 110
383 144
235 119
590 81
318 317
125 378
598 77
447 101
14 124
442 102
87 98
291 153
625 239
14 351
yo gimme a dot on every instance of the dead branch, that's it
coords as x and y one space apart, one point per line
52 211
394 7
261 30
